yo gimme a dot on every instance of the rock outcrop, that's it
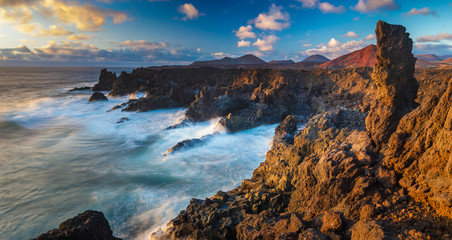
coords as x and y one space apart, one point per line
337 179
98 96
394 76
106 80
89 225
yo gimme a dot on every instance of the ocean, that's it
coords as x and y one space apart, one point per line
61 155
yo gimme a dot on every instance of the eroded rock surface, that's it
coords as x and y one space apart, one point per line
89 225
394 76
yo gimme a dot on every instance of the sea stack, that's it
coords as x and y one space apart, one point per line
394 76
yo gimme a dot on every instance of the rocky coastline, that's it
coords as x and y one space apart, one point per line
373 161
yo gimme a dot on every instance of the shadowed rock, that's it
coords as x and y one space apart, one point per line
394 76
89 225
106 80
98 96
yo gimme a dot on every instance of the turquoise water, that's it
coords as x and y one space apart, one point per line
60 155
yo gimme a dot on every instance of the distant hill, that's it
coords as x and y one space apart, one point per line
315 59
429 57
447 61
420 63
281 62
365 57
243 60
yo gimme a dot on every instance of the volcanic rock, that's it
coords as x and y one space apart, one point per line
394 76
89 225
79 89
106 80
98 96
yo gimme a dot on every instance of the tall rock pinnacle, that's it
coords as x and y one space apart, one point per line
394 76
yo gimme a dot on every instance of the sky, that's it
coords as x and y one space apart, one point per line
137 33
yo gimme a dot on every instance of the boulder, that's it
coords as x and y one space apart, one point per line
98 96
89 225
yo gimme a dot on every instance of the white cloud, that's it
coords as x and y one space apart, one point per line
351 34
220 55
356 19
274 19
365 6
423 11
245 32
435 38
326 7
334 48
307 45
189 11
308 3
369 37
243 43
266 43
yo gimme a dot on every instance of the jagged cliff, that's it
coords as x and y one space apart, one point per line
372 162
337 178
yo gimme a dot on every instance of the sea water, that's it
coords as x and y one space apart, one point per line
61 155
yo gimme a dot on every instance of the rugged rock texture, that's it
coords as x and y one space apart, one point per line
106 80
394 76
98 96
89 225
420 148
335 179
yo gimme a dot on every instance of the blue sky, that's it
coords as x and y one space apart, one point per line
157 32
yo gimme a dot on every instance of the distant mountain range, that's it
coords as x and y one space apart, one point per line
243 60
365 57
432 57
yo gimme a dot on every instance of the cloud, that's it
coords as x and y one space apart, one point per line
369 37
245 32
356 19
365 6
326 7
189 11
334 48
142 44
84 17
308 3
78 53
351 34
435 38
266 43
307 45
430 47
54 30
220 55
79 37
243 43
274 19
423 11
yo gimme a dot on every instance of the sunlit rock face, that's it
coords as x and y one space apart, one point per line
394 76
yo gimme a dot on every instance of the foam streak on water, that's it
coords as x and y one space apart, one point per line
61 155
